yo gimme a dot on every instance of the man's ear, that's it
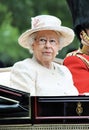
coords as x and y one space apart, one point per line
82 33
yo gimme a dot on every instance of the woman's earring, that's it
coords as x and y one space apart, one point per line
57 53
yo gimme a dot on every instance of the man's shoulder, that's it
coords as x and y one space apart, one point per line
73 53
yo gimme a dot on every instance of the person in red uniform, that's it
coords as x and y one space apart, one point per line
78 60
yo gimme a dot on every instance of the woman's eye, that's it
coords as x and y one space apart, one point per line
42 40
52 41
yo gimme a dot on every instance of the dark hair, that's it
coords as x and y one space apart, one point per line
80 15
79 28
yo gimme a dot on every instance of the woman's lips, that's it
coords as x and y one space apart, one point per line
47 53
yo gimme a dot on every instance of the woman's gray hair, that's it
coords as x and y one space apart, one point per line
31 41
60 41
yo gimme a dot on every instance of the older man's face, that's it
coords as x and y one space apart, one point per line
46 46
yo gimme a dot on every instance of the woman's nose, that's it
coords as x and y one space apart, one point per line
47 43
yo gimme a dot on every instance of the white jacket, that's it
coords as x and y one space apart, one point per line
29 76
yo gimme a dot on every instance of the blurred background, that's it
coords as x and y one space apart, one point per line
15 17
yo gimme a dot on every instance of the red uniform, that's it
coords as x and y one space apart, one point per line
80 71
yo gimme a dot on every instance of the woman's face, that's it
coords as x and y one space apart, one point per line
46 46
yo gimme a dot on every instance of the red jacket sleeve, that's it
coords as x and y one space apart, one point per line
79 72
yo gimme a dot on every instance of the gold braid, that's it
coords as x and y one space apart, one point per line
85 37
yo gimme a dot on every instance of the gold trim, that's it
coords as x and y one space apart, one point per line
79 108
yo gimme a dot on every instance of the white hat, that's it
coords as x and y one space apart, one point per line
46 22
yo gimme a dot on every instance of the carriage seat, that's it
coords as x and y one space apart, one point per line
5 76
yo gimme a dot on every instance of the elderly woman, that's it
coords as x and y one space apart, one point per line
40 76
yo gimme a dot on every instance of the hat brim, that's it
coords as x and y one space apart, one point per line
66 37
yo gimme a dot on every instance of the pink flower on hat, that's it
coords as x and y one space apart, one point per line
36 22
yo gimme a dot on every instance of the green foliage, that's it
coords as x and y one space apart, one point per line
15 17
21 10
9 48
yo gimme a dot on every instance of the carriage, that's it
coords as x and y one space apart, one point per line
19 110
